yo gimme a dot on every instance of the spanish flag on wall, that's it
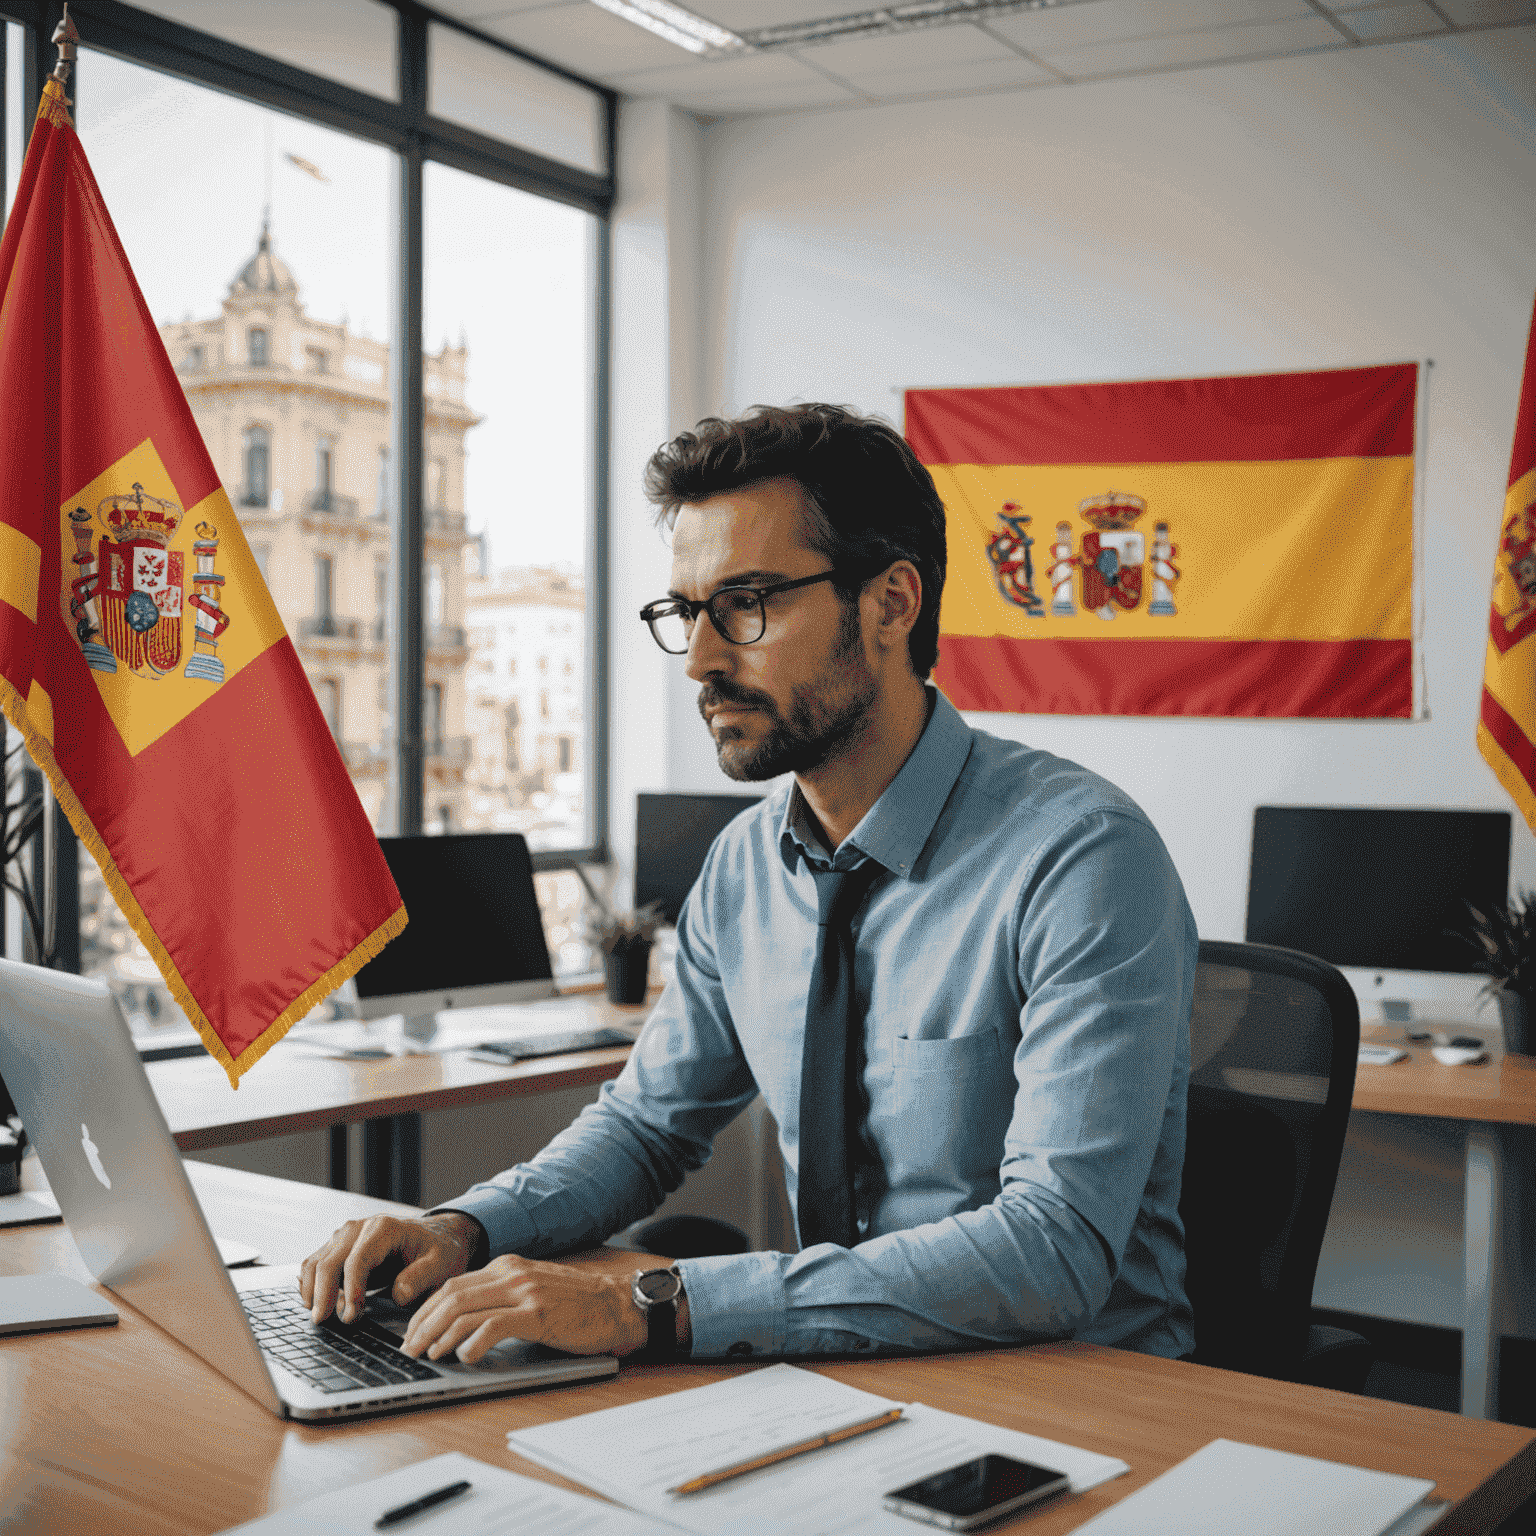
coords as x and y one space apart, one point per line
1223 546
1507 726
141 657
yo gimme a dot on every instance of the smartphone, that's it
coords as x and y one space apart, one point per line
976 1493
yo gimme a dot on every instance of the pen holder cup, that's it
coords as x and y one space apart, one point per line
627 968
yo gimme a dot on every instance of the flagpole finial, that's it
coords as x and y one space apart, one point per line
65 36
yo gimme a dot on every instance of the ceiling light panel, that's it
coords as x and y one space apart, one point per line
675 25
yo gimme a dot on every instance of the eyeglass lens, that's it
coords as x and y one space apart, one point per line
737 613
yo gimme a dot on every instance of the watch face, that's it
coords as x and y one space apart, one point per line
658 1285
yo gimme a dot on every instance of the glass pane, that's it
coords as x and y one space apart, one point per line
352 41
272 321
10 127
496 93
509 283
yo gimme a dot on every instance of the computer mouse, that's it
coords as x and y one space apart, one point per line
1458 1055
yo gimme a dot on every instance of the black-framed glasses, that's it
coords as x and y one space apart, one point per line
736 612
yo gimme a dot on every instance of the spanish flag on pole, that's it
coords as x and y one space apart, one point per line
1222 546
1507 726
140 655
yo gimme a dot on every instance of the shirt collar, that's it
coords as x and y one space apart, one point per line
895 828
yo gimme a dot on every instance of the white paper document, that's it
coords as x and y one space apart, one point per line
25 1209
636 1452
1230 1489
499 1503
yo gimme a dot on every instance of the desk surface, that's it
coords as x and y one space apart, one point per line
294 1088
107 1430
1497 1092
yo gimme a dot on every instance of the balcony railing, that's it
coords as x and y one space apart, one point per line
326 626
447 637
330 502
441 517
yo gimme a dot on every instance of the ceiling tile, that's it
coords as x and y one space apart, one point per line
1256 40
907 50
1413 19
738 14
476 11
1471 13
719 77
586 39
786 98
1100 21
952 79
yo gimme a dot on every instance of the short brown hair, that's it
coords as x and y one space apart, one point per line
871 501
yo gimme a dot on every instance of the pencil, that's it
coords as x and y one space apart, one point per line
709 1479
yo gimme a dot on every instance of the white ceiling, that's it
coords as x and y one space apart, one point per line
1075 40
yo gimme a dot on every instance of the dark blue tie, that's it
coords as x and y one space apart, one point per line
830 1097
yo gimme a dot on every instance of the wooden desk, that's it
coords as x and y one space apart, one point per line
294 1088
111 1430
1494 1101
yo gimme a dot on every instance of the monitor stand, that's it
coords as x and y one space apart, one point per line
419 1028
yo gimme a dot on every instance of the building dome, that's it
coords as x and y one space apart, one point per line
264 273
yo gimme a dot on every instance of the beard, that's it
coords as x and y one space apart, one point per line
823 717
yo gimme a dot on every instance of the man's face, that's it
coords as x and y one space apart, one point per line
800 696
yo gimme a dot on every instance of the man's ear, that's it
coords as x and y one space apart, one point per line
898 594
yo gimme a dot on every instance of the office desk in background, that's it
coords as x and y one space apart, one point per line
1496 1102
294 1088
111 1430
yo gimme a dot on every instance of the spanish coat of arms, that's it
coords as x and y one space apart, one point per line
1111 561
128 596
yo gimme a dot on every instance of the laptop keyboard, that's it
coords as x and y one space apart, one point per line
331 1356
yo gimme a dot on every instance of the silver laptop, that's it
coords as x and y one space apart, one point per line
81 1091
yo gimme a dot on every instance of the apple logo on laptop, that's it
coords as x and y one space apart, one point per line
93 1156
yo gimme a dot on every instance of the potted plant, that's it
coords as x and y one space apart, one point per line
1504 941
625 940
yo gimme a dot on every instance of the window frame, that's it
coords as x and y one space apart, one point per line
415 136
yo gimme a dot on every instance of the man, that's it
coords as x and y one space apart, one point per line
991 1153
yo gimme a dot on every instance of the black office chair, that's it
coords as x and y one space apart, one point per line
1274 1038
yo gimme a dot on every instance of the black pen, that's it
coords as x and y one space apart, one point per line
416 1506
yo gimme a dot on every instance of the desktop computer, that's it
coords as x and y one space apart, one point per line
1380 892
475 936
673 833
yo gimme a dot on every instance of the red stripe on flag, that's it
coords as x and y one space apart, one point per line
1269 679
1342 413
1522 456
1513 742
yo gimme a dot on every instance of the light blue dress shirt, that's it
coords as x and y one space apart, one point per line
1025 967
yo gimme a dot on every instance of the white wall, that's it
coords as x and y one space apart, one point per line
1326 211
1319 212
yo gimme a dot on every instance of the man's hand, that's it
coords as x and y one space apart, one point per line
428 1251
575 1309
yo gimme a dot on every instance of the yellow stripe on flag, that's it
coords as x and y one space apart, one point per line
20 561
1305 549
40 711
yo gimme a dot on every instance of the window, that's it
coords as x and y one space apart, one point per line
324 449
324 590
257 455
328 692
435 595
299 325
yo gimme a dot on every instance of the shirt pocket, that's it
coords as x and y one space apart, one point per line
955 1056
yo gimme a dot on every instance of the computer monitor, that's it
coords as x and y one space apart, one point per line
474 937
1375 889
672 835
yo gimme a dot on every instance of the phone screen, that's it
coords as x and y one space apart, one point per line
979 1485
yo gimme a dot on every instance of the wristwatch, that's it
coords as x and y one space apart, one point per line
656 1293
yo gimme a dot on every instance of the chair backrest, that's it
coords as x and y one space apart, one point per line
1274 1039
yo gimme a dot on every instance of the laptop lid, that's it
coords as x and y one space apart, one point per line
81 1091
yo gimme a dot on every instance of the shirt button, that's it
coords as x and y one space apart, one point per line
740 1347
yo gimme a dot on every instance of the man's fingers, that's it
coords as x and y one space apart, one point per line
462 1295
476 1333
380 1236
325 1273
421 1276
